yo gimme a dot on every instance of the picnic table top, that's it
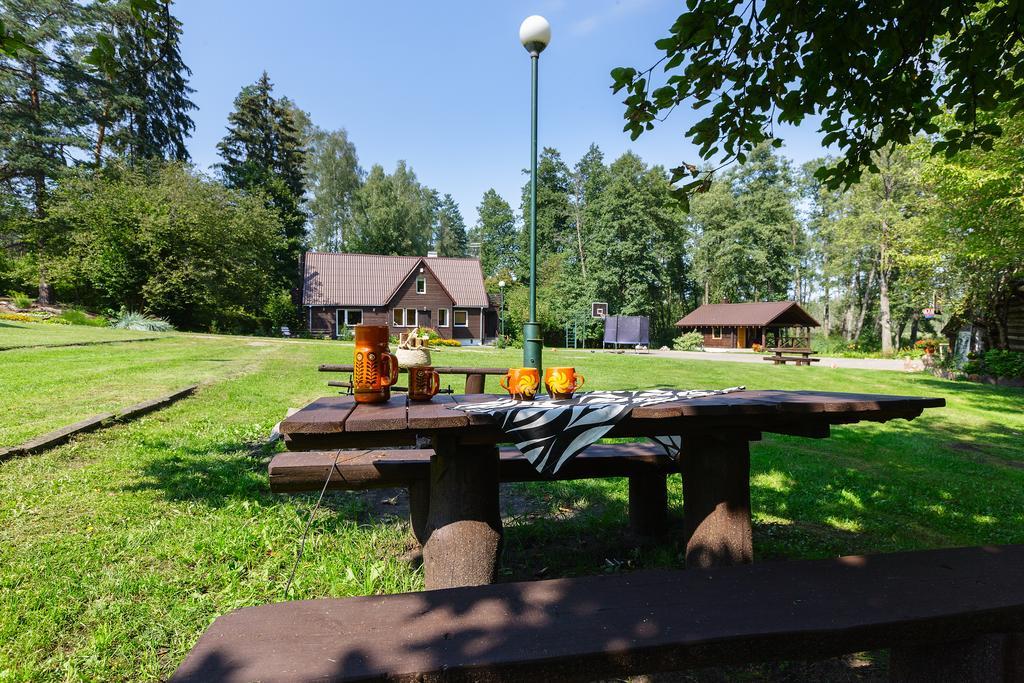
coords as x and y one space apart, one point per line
339 422
778 350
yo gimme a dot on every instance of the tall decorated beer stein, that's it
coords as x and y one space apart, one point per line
375 369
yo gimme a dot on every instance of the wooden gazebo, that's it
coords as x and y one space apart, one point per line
772 324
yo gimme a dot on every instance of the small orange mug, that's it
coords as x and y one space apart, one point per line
424 383
562 382
521 383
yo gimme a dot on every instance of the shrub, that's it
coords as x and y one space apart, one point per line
75 317
21 300
1000 363
346 334
134 320
21 317
756 348
429 332
443 342
691 341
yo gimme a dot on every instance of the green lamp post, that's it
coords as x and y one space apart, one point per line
534 34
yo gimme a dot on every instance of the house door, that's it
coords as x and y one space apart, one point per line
423 318
741 337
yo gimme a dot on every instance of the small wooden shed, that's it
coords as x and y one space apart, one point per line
772 324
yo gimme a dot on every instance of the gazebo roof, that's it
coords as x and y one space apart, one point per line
757 314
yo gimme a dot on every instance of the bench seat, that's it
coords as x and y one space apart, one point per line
645 464
799 360
933 608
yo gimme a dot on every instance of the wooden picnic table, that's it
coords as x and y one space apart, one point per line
781 355
464 534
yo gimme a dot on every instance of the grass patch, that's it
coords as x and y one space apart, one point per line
24 334
117 550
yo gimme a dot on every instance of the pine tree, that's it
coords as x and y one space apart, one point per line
638 241
46 107
146 105
450 229
555 232
263 152
497 235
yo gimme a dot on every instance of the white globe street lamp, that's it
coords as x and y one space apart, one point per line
535 35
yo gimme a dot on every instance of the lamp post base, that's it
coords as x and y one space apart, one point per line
532 346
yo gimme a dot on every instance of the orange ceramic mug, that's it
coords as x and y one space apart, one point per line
521 383
375 369
562 382
424 383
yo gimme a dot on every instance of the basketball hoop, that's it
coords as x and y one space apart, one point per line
599 309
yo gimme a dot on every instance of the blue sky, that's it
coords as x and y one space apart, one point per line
442 84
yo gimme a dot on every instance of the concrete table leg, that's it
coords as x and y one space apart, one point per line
716 500
463 534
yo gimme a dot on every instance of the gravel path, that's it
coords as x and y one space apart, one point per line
898 364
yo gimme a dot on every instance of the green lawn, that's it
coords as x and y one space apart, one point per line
117 550
17 334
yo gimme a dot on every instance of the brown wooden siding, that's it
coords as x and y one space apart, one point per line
426 304
470 332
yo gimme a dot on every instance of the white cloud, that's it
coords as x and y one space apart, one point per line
615 10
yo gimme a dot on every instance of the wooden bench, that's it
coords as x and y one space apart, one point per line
645 464
937 610
474 376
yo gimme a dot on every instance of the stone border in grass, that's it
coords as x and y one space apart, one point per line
63 435
82 343
981 379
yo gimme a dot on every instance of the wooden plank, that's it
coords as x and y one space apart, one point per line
390 416
139 409
612 626
323 416
57 436
441 369
292 472
476 419
436 414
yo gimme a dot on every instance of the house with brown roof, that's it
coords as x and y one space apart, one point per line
404 292
772 324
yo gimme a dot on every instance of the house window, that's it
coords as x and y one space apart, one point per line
442 317
421 285
461 318
353 316
404 317
716 332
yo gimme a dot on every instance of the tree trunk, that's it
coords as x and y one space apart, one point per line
865 298
39 191
828 298
884 306
915 322
578 210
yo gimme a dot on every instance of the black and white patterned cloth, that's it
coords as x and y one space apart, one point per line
551 433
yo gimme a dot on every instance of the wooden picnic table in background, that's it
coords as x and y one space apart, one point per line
464 525
780 356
